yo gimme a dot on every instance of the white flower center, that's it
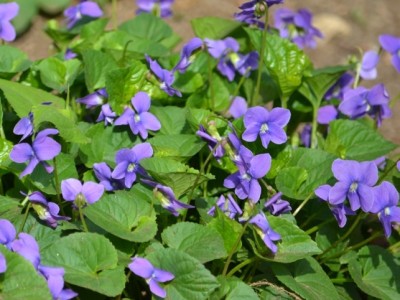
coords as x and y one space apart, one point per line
136 118
353 187
264 128
131 167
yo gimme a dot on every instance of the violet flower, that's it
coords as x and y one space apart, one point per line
8 11
251 168
104 174
24 127
7 233
165 77
94 99
3 263
266 124
246 63
153 276
106 115
160 8
55 281
43 148
140 119
238 107
369 62
305 135
253 10
385 205
227 205
69 54
27 247
128 163
186 54
167 197
297 27
47 211
267 234
276 205
73 190
355 182
391 44
77 13
340 87
327 114
213 141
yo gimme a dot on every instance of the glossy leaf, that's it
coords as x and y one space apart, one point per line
214 28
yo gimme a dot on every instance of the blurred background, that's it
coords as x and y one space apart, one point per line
348 27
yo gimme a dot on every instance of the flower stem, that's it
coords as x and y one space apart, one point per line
261 62
233 250
314 141
211 86
241 82
81 216
57 181
21 227
241 265
317 227
302 204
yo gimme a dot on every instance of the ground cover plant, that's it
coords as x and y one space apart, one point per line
225 168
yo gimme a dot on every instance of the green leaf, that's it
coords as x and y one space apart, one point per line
63 119
5 149
306 170
307 279
233 288
127 215
12 61
354 140
188 82
192 280
9 208
21 280
376 273
204 244
213 27
89 261
22 98
172 119
174 174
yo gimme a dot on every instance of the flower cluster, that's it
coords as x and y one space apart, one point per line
160 8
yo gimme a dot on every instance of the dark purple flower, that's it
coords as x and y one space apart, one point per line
27 247
253 10
140 119
160 8
385 205
391 44
43 148
7 233
355 182
340 87
73 190
3 263
47 211
24 127
106 115
327 114
213 140
267 234
94 99
297 27
305 135
8 11
246 63
55 281
143 268
266 124
251 168
186 54
339 211
238 107
277 206
88 9
368 65
167 197
227 205
165 77
69 54
128 163
104 175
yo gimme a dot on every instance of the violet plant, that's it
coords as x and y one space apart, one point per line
157 171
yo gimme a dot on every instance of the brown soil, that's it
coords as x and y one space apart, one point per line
348 26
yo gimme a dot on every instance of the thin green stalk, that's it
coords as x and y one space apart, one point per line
1 186
394 247
261 62
233 250
383 176
212 92
317 227
241 265
305 201
21 227
241 82
57 181
314 141
81 216
2 134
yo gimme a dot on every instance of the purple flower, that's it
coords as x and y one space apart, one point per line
238 107
69 54
339 211
368 65
246 63
73 190
94 99
8 11
305 135
160 8
88 9
106 115
3 263
340 87
297 27
214 141
277 206
7 233
380 162
55 281
268 124
166 77
385 205
27 247
43 148
128 163
267 234
327 114
140 119
228 205
143 268
356 180
251 168
391 44
167 197
104 175
47 211
186 54
398 165
24 127
253 10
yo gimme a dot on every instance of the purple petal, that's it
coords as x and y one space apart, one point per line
162 276
156 289
260 165
130 178
369 173
396 62
126 117
30 167
7 232
142 151
120 170
326 114
20 153
141 102
258 115
251 132
7 32
46 148
8 11
141 267
323 192
345 170
70 188
366 195
150 121
279 116
238 107
338 193
24 127
254 190
27 247
277 134
91 9
390 43
92 191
